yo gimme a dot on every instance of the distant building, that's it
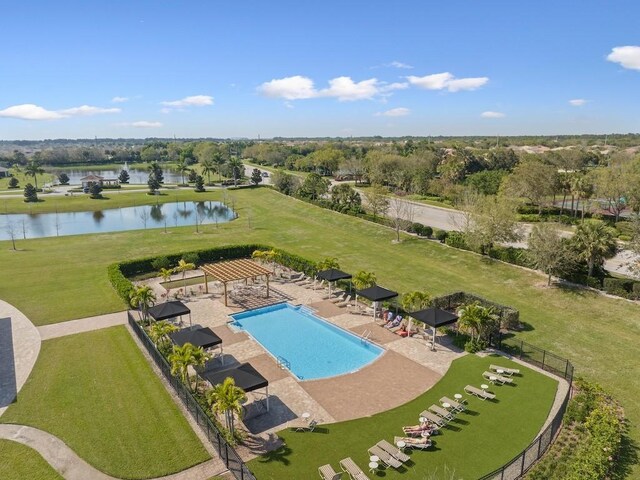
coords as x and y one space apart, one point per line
4 172
90 180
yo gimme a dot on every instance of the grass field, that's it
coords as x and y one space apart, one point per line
24 179
488 434
62 278
97 393
19 462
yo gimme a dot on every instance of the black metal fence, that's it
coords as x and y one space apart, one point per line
551 363
227 453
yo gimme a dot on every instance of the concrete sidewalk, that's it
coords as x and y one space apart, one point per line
82 325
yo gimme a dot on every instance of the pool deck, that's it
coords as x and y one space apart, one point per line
407 368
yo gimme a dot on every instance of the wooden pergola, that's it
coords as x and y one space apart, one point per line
233 270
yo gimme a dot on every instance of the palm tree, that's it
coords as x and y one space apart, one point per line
226 398
208 168
182 357
182 167
33 169
327 264
218 160
237 169
184 266
364 279
142 297
476 320
414 301
594 241
159 332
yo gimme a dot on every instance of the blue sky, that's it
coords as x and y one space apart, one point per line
336 68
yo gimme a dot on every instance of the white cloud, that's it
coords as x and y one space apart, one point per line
577 102
628 56
346 90
87 110
141 124
29 111
490 114
192 101
397 64
446 80
119 99
394 86
290 88
395 112
289 104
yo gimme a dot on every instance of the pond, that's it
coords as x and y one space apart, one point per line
162 215
136 176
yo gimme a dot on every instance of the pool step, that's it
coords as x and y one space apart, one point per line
283 363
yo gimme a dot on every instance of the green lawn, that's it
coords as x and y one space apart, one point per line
18 462
24 179
598 334
487 435
97 393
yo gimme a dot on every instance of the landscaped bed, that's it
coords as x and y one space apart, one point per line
97 393
19 462
484 438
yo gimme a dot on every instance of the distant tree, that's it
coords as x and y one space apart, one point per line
634 245
33 169
156 170
208 167
12 232
226 398
486 182
142 297
153 183
488 220
612 184
416 300
477 320
594 242
13 182
183 267
400 214
193 176
63 178
532 180
285 183
364 279
328 263
377 200
199 183
182 167
550 252
345 196
124 176
256 176
314 186
30 193
95 190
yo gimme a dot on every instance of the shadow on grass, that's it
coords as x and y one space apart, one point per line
279 455
627 458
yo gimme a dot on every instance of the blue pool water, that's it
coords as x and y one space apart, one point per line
313 347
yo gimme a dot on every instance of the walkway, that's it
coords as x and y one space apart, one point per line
82 325
19 349
68 464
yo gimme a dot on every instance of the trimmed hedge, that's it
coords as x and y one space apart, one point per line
509 316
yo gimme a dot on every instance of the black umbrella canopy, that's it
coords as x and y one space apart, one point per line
376 293
332 275
201 337
165 310
245 376
434 317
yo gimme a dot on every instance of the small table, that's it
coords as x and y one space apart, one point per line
425 434
493 378
305 415
422 420
401 445
373 467
500 371
484 387
446 405
374 459
457 396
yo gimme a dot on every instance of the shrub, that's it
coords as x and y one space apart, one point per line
475 345
441 235
624 228
513 255
617 286
456 240
624 238
191 257
13 182
30 194
427 231
159 263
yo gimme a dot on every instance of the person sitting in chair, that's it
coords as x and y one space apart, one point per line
393 322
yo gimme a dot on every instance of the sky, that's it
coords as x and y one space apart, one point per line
252 69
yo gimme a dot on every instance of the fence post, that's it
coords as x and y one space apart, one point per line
521 348
544 356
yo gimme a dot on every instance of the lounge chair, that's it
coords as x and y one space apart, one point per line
394 451
307 427
385 457
433 418
328 473
496 378
339 297
481 394
457 406
505 371
353 470
421 443
420 430
443 412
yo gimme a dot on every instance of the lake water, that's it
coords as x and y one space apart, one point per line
136 176
162 215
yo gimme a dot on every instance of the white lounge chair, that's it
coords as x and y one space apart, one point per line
421 443
385 457
393 451
328 473
353 470
481 394
433 418
497 378
504 370
457 406
442 412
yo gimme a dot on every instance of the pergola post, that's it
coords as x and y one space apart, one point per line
206 283
267 390
225 293
267 297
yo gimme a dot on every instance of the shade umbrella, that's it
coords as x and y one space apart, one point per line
376 294
245 376
332 275
166 310
434 317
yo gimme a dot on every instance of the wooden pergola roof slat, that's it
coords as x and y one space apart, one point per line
235 270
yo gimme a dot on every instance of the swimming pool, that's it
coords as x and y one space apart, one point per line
312 347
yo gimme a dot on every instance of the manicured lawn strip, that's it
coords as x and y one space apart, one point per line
18 462
112 199
482 439
24 179
97 393
597 333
